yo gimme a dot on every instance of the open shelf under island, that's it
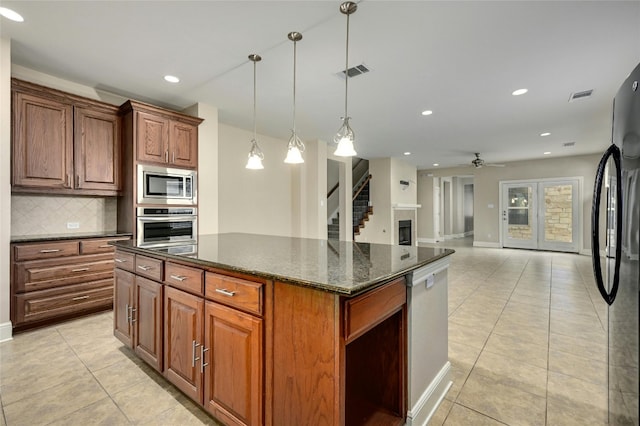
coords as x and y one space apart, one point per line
266 330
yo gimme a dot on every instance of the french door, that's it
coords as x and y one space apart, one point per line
542 214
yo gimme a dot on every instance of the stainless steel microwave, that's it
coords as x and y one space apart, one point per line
162 185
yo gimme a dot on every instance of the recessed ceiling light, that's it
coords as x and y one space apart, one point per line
10 14
545 134
547 152
407 153
519 92
435 164
427 112
171 79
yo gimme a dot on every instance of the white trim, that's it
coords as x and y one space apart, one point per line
427 240
467 234
6 331
405 206
487 244
454 236
430 400
585 252
433 268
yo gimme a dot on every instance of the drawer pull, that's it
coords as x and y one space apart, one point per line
49 251
79 269
179 277
225 292
105 246
119 260
80 297
144 267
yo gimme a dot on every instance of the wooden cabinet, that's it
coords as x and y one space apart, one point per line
233 377
162 136
97 149
55 280
183 337
137 316
63 143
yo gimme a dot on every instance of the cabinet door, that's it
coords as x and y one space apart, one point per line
97 150
124 283
147 322
233 378
152 138
183 317
183 143
42 142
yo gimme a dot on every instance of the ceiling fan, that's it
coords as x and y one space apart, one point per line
479 162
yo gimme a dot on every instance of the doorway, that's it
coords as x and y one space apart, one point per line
541 214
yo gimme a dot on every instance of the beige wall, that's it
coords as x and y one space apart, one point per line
254 201
5 185
309 192
207 176
487 186
425 213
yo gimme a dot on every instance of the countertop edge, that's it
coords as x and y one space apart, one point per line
354 291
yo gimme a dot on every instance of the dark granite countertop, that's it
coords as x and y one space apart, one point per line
331 265
61 237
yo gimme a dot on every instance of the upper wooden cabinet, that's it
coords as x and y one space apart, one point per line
161 136
64 143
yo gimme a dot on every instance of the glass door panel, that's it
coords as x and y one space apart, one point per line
519 215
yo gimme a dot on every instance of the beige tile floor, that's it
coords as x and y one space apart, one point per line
526 344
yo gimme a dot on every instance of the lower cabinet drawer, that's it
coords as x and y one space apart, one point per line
234 292
33 276
39 305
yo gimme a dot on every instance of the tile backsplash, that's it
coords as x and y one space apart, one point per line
42 214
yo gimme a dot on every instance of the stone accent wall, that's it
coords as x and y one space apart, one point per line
520 232
558 213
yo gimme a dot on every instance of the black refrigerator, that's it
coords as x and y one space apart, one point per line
617 275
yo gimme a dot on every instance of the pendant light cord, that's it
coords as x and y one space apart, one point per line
294 87
254 100
346 71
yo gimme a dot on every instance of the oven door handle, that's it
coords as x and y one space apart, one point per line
166 218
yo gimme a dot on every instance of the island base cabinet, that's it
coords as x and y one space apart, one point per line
137 316
183 337
233 383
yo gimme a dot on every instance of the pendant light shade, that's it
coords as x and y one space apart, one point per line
295 148
256 156
345 136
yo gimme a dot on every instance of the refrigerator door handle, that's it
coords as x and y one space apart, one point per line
612 151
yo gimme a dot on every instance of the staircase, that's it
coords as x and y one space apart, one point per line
361 208
333 229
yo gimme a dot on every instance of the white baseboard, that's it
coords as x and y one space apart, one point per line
430 400
486 244
468 233
585 252
6 331
427 240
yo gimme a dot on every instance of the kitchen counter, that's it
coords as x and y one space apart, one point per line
62 237
336 266
315 331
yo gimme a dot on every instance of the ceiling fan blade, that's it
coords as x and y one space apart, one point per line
495 165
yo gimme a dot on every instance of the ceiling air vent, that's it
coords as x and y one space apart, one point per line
580 95
568 144
355 71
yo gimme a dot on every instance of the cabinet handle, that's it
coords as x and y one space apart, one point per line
132 318
77 181
128 308
144 267
166 156
80 297
194 358
50 251
225 292
202 363
119 260
105 246
79 269
179 277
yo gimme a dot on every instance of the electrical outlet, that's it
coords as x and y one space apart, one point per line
73 225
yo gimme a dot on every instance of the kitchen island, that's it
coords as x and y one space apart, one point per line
288 331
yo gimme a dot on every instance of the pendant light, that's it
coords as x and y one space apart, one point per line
295 147
345 137
255 154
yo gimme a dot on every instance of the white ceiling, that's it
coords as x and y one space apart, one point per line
460 59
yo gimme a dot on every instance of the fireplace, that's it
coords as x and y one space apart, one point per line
404 232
